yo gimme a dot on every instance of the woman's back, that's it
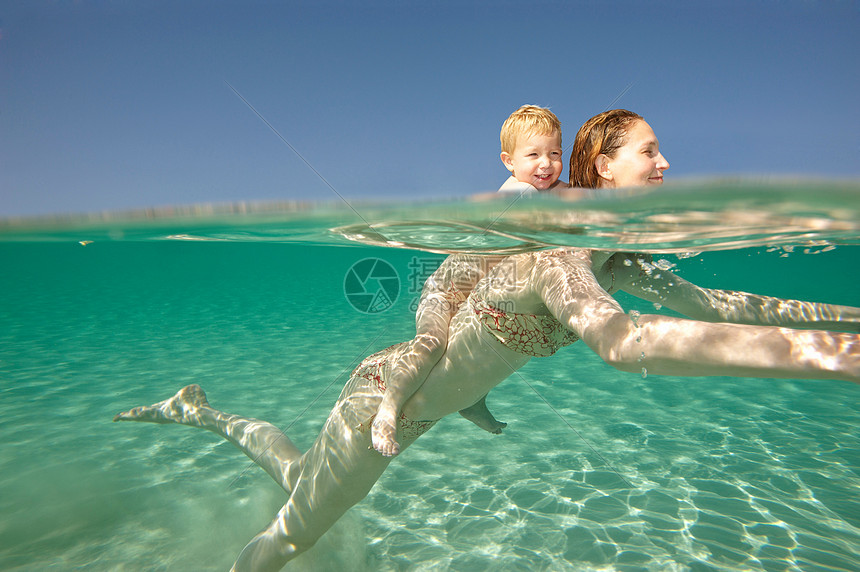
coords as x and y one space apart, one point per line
479 354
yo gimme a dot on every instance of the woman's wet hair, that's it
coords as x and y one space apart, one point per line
603 134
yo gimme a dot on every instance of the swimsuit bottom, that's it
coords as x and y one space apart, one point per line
373 369
529 334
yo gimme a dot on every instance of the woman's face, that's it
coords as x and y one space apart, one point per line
637 163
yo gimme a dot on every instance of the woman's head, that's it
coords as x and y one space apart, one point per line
616 149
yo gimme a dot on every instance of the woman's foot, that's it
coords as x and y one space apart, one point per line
481 416
183 408
383 432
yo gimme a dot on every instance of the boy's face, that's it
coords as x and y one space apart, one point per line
536 160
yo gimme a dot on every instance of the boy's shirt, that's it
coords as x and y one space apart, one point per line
512 185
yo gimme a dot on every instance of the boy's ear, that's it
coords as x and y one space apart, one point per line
602 166
508 161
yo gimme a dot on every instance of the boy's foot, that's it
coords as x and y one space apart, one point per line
182 408
481 416
382 434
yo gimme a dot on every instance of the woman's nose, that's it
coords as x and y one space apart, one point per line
662 163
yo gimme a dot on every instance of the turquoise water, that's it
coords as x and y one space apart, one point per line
622 473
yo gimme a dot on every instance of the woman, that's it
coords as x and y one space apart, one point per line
524 306
616 148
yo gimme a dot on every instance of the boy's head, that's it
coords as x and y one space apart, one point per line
531 146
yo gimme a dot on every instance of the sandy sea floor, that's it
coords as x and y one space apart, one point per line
615 472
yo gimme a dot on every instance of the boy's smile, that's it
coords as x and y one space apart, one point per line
536 160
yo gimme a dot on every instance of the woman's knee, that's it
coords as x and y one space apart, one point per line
272 548
290 535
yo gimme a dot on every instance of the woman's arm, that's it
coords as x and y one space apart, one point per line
674 346
641 278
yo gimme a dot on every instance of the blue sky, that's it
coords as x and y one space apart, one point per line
114 105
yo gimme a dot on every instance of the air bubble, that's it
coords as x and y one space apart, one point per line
690 254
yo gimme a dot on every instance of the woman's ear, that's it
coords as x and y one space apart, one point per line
508 161
601 164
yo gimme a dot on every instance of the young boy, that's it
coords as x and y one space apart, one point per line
443 293
531 151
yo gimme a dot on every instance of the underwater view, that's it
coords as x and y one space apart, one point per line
269 308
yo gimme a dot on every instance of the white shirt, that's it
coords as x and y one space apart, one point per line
514 186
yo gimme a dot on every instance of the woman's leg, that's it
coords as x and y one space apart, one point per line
333 475
480 415
264 443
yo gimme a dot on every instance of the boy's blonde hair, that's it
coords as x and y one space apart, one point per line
528 120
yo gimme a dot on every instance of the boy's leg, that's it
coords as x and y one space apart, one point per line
407 374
